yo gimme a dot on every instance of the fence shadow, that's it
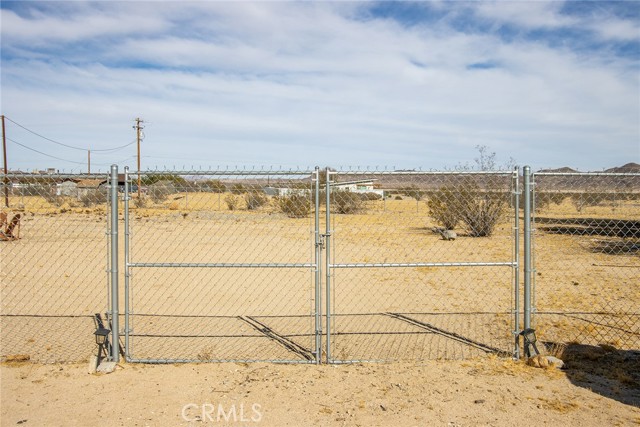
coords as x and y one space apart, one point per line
603 369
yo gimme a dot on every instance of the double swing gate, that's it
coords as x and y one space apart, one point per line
318 266
312 266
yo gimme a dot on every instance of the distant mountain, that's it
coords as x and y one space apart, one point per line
628 168
559 170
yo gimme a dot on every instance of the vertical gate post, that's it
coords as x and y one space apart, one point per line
127 272
115 335
318 269
516 273
527 247
328 261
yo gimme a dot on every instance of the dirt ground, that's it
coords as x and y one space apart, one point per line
54 280
480 392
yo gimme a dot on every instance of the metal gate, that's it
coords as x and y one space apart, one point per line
212 276
399 285
311 266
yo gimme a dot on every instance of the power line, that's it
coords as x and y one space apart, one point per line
44 154
63 144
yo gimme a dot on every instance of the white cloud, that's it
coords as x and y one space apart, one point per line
306 84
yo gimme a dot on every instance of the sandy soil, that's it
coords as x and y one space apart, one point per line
479 392
57 279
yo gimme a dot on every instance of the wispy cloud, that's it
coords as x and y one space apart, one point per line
398 84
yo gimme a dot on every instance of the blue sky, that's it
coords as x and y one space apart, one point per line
299 84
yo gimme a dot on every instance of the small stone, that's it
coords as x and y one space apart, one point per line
106 367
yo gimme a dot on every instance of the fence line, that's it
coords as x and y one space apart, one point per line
303 266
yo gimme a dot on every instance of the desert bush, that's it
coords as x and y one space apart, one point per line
479 210
238 188
444 207
398 197
481 213
346 202
52 198
544 199
255 199
93 197
232 201
295 205
370 196
582 200
159 191
215 186
412 191
141 202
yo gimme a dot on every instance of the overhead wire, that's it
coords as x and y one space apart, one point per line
67 145
44 154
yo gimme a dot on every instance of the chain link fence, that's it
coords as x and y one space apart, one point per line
220 267
310 265
422 265
53 262
587 258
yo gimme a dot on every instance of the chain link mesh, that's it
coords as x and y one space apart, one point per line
423 265
53 261
222 267
587 258
232 265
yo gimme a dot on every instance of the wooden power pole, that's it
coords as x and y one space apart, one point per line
138 128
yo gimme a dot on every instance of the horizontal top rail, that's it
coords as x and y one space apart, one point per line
423 264
49 177
218 265
419 172
259 172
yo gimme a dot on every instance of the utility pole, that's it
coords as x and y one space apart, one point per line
6 171
88 162
138 128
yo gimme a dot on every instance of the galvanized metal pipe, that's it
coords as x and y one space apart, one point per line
327 243
115 335
424 264
516 273
127 272
527 247
318 270
218 265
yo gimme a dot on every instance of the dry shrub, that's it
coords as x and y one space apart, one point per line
174 206
141 202
444 208
295 205
255 199
346 202
232 201
372 197
478 209
93 197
